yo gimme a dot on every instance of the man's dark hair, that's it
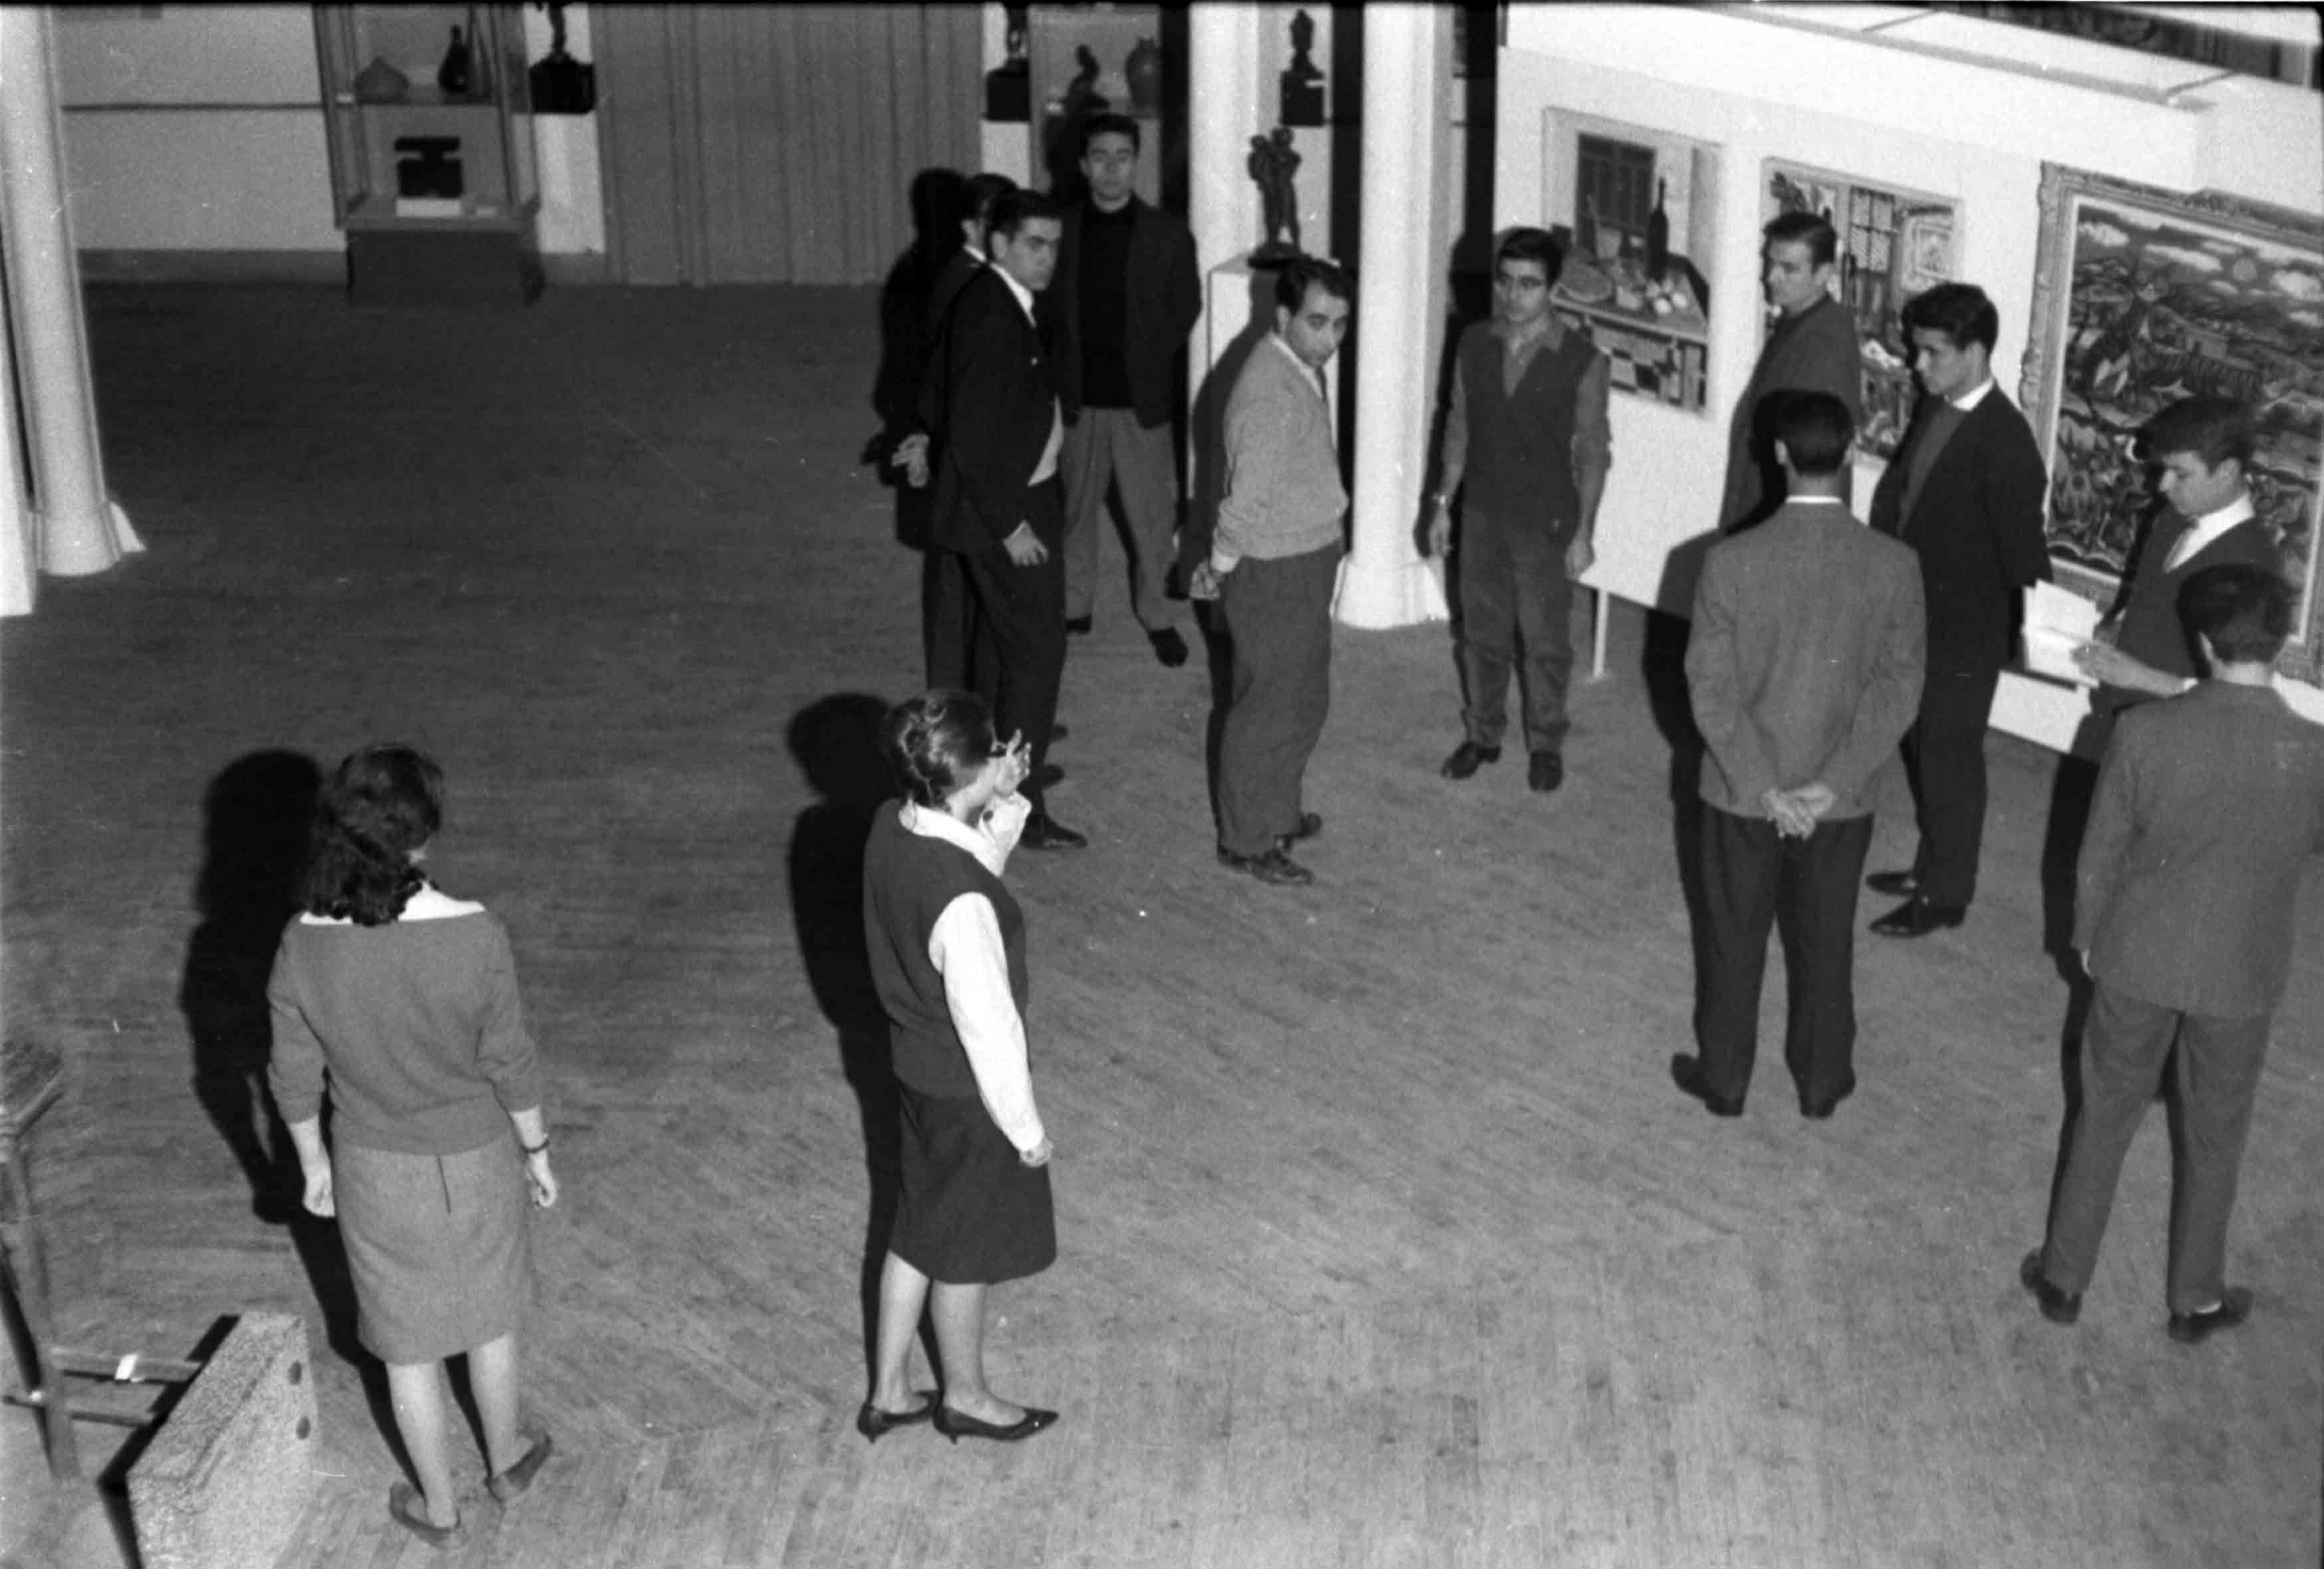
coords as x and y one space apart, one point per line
1530 245
1960 311
2213 428
1011 208
1800 228
982 191
1107 123
1815 429
1291 282
2244 611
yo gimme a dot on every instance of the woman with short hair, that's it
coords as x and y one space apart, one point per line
948 951
403 1001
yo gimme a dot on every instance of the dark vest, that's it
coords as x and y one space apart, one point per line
2152 632
1520 464
908 878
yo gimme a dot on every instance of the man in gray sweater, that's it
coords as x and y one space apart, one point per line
1273 564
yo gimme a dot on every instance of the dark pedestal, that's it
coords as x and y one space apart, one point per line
498 267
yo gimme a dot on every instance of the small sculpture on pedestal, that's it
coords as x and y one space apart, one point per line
1303 81
1273 163
1009 86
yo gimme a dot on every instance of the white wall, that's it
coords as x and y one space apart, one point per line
1925 121
200 128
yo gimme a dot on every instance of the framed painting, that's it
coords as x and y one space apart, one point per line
1894 244
2143 297
1633 207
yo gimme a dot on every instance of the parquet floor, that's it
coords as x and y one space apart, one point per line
1386 1239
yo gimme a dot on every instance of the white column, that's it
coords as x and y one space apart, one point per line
1222 114
81 529
19 577
1385 582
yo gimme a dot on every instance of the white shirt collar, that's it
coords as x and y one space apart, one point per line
974 253
989 841
1973 397
1024 295
1306 371
2201 531
1813 500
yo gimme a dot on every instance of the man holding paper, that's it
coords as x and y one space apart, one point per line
2201 447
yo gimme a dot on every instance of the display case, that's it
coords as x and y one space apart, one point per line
433 173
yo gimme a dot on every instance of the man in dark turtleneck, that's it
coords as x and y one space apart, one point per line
1811 349
1126 295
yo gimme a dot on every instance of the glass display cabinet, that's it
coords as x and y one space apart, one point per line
433 173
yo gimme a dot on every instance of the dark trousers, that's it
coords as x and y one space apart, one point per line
1944 759
1514 591
1753 878
2216 1073
1019 658
1279 690
948 619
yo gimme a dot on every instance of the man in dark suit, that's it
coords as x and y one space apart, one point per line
1804 667
2209 806
1965 493
997 505
1811 347
1127 294
2199 448
946 634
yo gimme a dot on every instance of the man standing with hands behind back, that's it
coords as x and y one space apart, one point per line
1273 566
996 488
1127 294
1804 667
1529 439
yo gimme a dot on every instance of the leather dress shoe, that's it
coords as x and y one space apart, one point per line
955 1426
875 1423
2057 1307
1468 758
1900 884
1079 626
1917 917
1310 824
1044 832
2195 1328
1817 1108
1686 1073
1545 771
1273 866
1169 647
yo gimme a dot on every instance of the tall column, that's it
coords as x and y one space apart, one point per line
81 529
1221 118
19 577
1385 582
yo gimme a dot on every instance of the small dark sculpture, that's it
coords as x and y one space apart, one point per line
1302 82
1273 163
1008 87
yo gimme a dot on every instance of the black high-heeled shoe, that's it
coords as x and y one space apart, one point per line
873 1422
957 1425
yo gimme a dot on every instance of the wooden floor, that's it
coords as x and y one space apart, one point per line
1386 1239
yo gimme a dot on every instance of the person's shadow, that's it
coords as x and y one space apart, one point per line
1206 426
835 741
257 816
939 196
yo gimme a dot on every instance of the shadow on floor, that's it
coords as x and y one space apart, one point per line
835 740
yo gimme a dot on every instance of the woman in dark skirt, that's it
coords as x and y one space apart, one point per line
405 1000
947 948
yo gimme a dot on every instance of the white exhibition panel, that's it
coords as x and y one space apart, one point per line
1934 124
201 180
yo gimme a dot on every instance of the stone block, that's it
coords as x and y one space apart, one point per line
230 1472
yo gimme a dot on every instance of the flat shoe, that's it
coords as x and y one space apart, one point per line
511 1483
1468 758
1686 1073
1901 884
873 1422
1545 771
406 1509
1310 824
955 1427
2058 1306
1917 917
